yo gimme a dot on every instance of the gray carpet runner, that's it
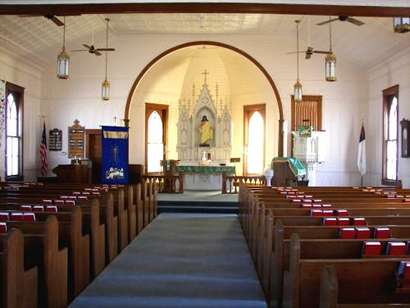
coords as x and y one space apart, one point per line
180 260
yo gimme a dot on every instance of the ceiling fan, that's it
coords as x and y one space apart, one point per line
92 50
310 51
352 20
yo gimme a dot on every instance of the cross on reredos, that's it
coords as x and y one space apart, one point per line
205 73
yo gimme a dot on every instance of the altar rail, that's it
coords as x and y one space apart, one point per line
230 183
166 183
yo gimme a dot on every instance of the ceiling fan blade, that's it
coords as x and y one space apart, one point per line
326 22
294 52
105 49
322 52
87 46
355 21
97 53
55 20
78 50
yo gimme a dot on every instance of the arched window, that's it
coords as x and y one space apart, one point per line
254 139
14 151
156 117
390 132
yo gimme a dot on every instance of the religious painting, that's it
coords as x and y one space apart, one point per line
114 167
206 132
405 146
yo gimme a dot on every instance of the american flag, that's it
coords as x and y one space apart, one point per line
43 152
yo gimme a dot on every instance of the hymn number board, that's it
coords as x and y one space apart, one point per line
76 137
55 139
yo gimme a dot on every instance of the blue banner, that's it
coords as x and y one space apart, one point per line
114 165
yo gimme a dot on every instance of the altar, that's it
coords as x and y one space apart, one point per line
204 178
204 138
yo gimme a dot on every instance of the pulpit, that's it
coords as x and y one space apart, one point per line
287 171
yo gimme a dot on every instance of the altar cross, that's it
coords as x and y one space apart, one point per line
205 73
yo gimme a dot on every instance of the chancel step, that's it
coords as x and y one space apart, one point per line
198 207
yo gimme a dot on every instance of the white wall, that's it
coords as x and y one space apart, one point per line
344 102
27 75
393 71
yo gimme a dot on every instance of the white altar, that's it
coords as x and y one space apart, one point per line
217 152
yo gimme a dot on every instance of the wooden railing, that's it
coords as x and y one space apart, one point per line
230 183
166 183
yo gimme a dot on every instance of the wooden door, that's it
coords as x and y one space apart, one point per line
94 153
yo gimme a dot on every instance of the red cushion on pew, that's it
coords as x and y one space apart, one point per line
347 233
343 221
329 221
382 232
396 248
3 227
26 208
4 216
359 221
362 232
371 248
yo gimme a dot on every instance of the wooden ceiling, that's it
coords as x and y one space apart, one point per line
195 7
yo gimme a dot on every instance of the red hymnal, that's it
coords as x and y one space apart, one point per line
362 232
347 233
371 249
329 221
396 248
382 232
341 213
359 221
343 221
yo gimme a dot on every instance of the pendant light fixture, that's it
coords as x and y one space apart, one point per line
63 60
105 87
297 88
330 60
401 24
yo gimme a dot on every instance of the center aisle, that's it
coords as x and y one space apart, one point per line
180 260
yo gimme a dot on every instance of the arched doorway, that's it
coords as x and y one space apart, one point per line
172 64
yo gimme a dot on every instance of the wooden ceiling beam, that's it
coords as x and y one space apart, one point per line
248 8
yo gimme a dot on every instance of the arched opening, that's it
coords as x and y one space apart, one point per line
255 149
232 79
155 150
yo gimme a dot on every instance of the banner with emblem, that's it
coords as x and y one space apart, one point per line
114 165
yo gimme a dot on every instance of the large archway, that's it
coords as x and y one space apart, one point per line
254 67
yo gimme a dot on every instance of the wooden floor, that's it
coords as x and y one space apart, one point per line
180 260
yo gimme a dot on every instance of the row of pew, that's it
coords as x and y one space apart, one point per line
329 246
56 238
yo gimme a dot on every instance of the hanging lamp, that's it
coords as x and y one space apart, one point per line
105 86
297 88
330 60
63 60
401 24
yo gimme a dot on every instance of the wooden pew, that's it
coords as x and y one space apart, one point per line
302 281
18 285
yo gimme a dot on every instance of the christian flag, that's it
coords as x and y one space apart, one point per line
361 154
43 152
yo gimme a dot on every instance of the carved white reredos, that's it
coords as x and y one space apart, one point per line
189 120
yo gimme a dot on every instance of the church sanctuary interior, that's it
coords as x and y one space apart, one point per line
212 154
